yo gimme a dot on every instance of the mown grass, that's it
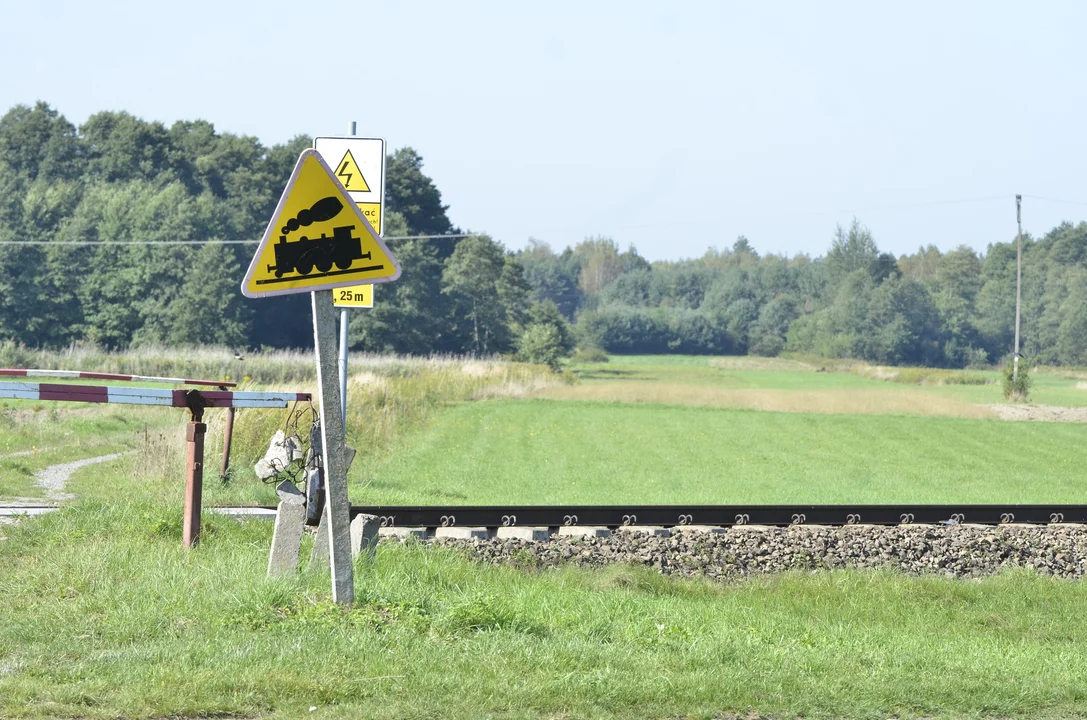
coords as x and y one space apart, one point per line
105 616
540 451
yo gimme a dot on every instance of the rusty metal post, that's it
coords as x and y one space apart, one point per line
228 433
194 482
194 468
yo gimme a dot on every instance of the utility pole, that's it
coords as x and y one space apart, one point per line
1018 281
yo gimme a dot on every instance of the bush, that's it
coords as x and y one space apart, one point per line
977 359
541 343
589 354
1016 389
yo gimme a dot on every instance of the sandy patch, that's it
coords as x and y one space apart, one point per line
1081 386
1040 413
753 362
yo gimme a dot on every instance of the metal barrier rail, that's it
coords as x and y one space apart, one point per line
614 516
147 396
82 375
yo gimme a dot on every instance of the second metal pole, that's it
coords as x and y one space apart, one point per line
343 351
343 367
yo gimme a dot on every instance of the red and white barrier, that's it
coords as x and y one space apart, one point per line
146 396
80 375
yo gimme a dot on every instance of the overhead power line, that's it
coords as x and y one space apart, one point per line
199 242
1055 200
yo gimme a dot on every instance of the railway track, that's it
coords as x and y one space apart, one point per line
670 516
489 518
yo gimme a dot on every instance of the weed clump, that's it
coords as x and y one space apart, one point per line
1016 386
589 354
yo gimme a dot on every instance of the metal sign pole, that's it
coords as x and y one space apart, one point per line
337 518
343 349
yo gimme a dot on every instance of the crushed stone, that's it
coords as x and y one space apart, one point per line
955 551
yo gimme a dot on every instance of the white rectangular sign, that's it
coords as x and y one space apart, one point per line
359 163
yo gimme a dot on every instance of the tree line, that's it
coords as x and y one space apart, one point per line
119 178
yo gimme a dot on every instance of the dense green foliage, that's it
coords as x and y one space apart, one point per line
929 308
119 178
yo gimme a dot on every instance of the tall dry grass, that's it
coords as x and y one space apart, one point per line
390 395
921 375
261 368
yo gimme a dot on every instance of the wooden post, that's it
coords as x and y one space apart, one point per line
194 482
337 505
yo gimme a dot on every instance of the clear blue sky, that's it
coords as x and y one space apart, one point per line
670 126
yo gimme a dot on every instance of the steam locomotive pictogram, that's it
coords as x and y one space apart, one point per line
305 254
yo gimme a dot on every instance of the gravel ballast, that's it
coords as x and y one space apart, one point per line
953 551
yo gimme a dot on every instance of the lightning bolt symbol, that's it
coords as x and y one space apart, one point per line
343 173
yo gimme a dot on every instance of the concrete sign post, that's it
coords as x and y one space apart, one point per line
337 505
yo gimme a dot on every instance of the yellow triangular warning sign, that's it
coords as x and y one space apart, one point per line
318 239
347 171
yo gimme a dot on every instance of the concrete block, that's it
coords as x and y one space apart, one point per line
462 533
754 528
525 532
287 534
364 536
245 513
584 531
714 529
319 559
402 533
653 530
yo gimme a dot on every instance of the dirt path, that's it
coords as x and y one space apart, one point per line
54 478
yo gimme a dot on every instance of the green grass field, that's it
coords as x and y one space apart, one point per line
667 430
105 616
548 451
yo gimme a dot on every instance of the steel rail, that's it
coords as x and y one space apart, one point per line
614 516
